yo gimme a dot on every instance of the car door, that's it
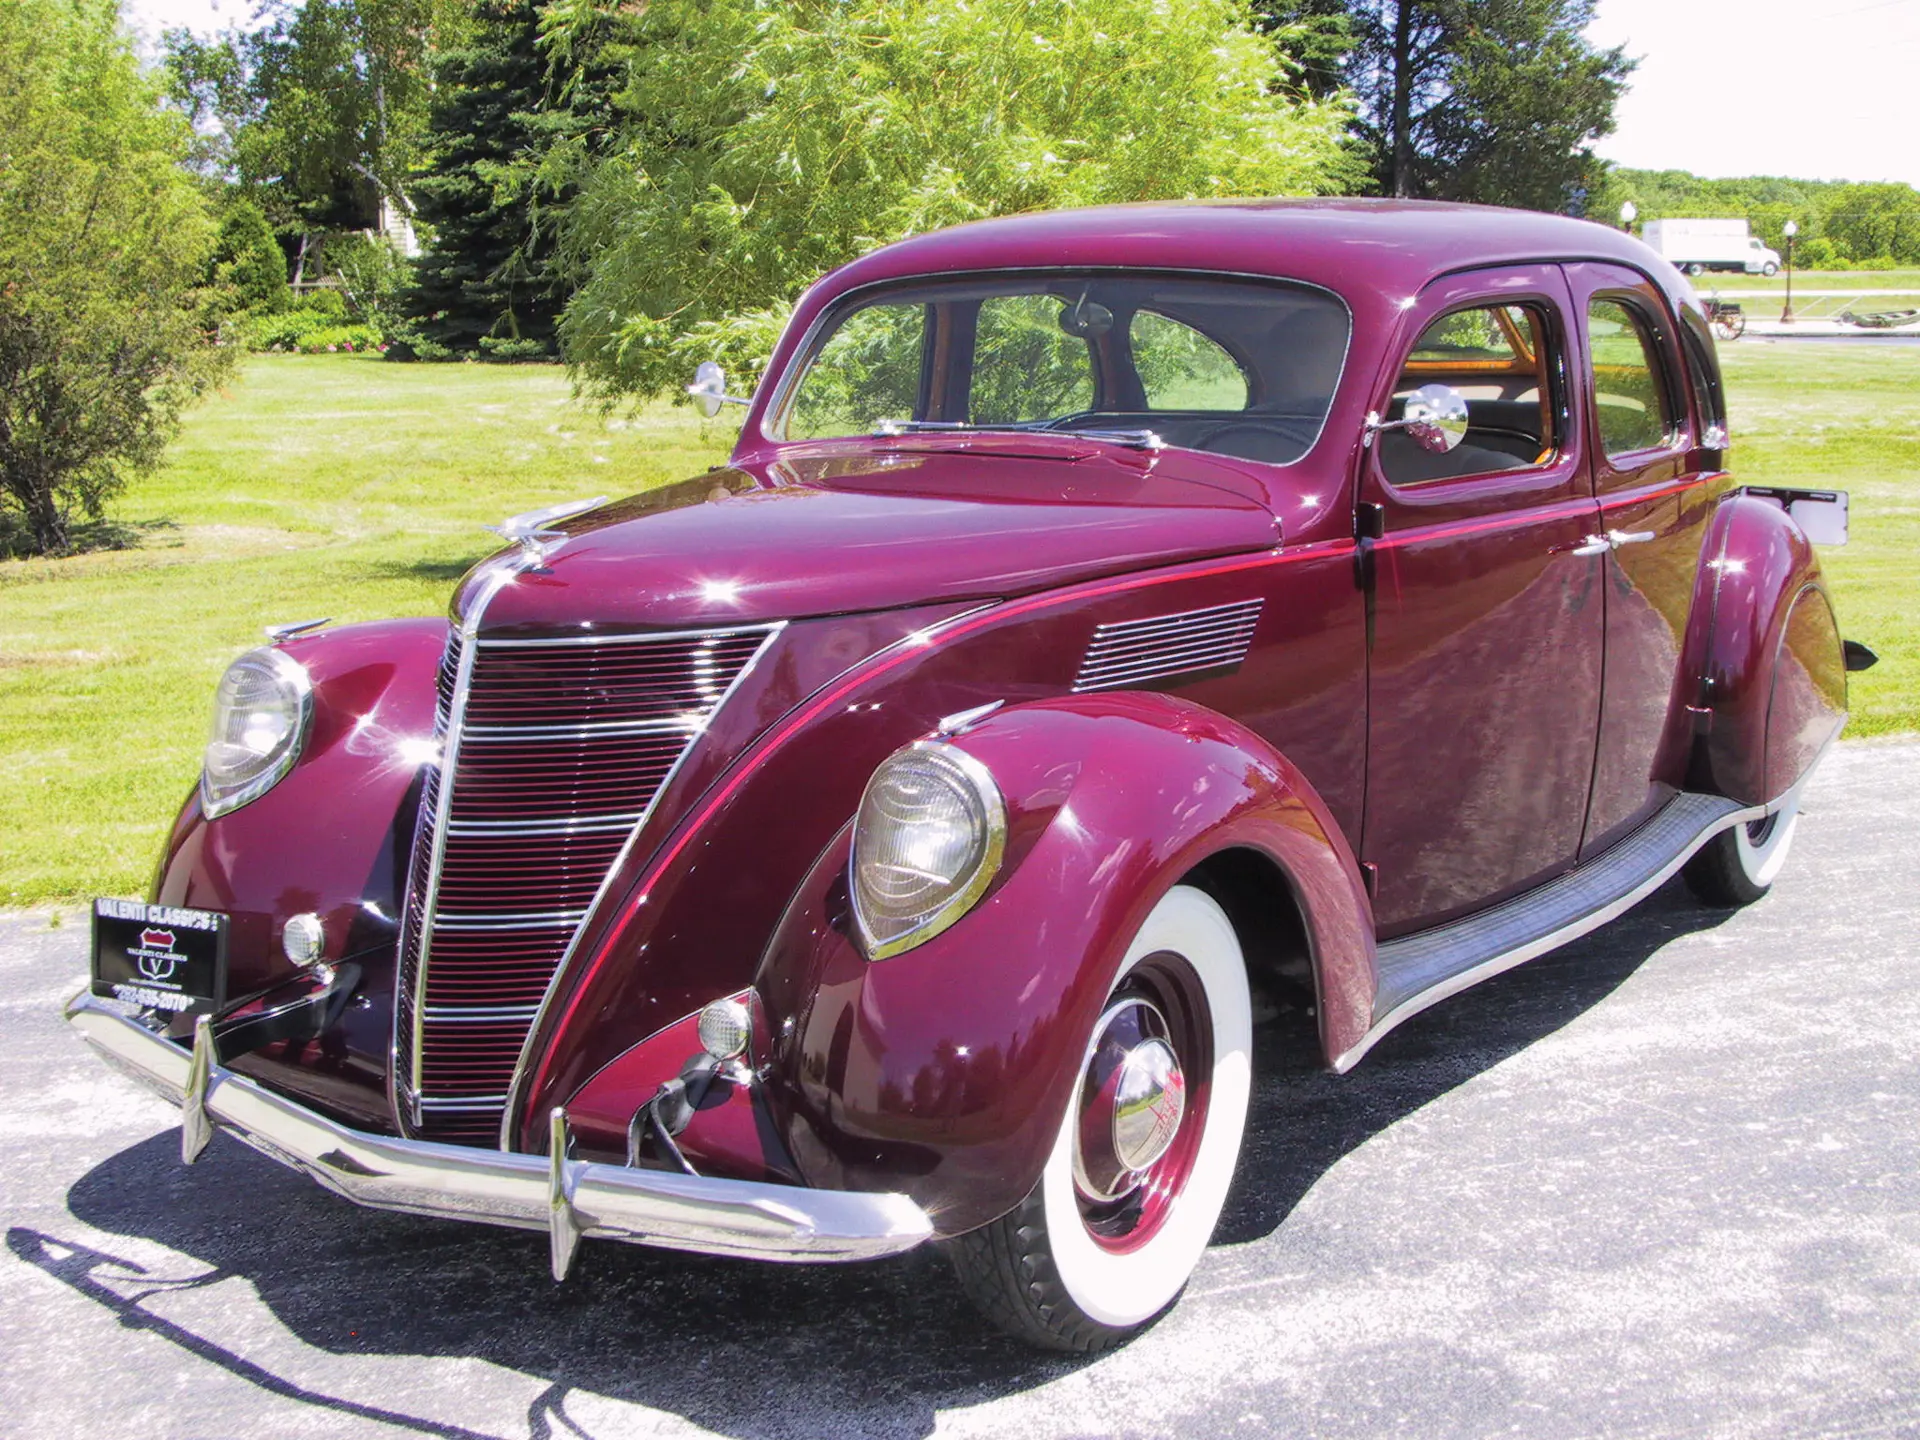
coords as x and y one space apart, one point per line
1649 476
1485 619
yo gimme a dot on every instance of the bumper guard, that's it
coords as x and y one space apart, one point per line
569 1199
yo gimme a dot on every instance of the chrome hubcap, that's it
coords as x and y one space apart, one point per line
1133 1096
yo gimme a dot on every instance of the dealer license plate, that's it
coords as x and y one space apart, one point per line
160 957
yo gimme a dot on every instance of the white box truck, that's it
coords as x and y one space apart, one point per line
1697 245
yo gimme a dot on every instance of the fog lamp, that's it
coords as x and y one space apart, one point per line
725 1028
304 939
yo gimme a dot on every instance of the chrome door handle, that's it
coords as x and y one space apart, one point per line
1629 537
1593 545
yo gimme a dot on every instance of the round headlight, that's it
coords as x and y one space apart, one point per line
927 843
260 716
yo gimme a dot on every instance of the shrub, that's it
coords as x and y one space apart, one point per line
247 261
332 338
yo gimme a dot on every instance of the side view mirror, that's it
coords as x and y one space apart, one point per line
1434 415
709 389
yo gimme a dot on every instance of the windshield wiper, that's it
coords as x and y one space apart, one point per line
1137 439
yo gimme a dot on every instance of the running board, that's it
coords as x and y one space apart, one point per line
1423 969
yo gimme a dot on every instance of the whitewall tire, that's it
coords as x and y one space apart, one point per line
1146 1148
1739 865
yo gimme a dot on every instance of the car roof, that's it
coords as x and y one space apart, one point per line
1392 245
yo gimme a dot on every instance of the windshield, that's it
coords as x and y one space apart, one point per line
1237 367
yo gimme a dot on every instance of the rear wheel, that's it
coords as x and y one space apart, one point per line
1739 865
1140 1167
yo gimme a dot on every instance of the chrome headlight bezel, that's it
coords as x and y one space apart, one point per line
295 692
884 936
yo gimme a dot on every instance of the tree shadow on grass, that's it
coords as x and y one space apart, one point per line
443 572
738 1348
83 538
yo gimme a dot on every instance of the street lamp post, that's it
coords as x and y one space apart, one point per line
1790 229
1628 213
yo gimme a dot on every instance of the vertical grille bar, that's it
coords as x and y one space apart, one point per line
553 753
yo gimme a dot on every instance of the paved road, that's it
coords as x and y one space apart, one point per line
1666 1182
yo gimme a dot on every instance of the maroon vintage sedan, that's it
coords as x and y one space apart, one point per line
1106 617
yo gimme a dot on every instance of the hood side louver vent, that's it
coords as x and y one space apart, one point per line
553 753
1139 652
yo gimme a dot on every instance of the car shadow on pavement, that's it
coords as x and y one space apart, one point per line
742 1349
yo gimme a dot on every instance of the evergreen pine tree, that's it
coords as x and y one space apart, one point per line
486 285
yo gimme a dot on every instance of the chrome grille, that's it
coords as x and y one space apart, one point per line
557 750
1137 652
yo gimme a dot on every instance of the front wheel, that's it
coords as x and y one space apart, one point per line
1139 1171
1738 866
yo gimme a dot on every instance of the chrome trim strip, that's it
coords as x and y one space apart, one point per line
1128 652
668 726
465 1103
1182 619
479 1015
529 920
503 572
637 637
1453 984
586 824
525 1060
706 1215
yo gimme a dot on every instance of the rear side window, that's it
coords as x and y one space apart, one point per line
1501 359
1630 398
1181 369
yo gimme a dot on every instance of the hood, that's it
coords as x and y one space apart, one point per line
846 527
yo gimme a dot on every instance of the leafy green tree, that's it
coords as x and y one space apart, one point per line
762 144
247 260
487 283
1493 101
1874 222
319 112
104 240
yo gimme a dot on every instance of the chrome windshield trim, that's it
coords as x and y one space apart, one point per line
525 1059
706 1215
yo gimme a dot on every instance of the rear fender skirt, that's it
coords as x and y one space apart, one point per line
1763 640
942 1069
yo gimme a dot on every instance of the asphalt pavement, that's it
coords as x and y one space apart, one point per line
1664 1182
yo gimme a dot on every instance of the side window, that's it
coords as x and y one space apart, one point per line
1502 360
1025 367
1182 369
1629 399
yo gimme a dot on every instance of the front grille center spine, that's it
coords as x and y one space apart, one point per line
553 752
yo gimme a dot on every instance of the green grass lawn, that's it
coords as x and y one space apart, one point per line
1846 415
346 487
1864 280
328 485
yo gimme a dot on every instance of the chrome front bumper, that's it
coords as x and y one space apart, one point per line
569 1199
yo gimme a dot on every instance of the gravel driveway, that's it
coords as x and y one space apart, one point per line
1664 1182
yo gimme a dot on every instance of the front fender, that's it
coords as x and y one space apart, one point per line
943 1070
1773 676
332 838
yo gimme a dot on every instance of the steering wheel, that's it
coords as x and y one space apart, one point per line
1273 441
